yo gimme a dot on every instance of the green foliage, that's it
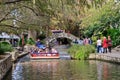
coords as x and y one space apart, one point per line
103 21
80 51
20 42
115 36
30 41
5 47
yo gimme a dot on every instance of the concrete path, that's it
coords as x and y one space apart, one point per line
113 54
112 57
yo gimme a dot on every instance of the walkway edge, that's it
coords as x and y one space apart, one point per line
17 55
95 56
5 66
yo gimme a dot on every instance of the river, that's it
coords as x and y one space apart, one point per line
61 69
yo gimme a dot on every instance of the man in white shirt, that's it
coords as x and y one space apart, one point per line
99 45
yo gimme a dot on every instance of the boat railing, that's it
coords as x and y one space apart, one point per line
44 54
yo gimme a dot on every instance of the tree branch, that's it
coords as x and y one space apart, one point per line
25 23
34 11
2 19
13 1
11 26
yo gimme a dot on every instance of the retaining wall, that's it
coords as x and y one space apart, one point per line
5 65
114 59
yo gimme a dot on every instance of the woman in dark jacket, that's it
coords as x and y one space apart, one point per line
109 44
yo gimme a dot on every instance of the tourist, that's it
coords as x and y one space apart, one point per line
80 41
76 41
86 41
109 44
105 45
38 43
90 41
53 50
99 45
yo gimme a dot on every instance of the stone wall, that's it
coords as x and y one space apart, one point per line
5 65
114 59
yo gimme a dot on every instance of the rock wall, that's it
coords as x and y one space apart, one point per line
5 65
114 59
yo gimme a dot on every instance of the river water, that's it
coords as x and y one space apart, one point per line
61 69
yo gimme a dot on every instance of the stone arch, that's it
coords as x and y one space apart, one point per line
62 35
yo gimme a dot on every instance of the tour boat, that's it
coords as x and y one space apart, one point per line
44 55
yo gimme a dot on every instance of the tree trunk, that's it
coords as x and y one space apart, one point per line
32 34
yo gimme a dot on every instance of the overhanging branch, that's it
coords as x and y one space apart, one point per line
12 1
11 26
2 19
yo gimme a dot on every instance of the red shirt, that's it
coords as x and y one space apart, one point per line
105 45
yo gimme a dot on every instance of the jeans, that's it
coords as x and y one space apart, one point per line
99 49
105 50
109 49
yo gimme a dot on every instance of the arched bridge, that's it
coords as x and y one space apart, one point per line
54 36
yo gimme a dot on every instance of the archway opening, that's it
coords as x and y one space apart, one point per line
63 41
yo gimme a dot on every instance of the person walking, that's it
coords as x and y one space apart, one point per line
99 45
109 44
105 45
86 41
90 41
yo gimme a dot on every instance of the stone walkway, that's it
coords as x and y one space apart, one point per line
111 57
113 54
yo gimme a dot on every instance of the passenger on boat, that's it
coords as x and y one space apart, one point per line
39 44
53 50
40 50
47 50
35 51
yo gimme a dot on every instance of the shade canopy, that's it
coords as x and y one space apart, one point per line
7 36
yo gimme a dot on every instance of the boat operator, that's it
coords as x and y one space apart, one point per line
39 44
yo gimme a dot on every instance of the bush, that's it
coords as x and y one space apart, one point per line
115 36
80 51
5 47
30 41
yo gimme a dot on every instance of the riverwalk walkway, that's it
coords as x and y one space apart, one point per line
114 56
111 57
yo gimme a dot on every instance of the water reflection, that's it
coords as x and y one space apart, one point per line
66 70
43 70
99 70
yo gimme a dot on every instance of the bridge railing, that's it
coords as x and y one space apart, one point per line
58 35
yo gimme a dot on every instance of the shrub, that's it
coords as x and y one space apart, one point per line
30 41
5 47
115 36
80 51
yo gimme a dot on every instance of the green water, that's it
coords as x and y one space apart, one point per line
65 70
